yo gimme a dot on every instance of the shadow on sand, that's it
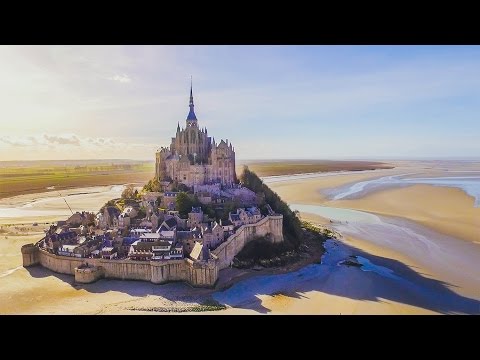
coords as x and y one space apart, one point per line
407 286
172 291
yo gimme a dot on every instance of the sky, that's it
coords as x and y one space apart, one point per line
271 102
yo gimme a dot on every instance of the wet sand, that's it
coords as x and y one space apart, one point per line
50 206
392 286
447 210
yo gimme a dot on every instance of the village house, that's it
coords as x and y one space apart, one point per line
77 219
242 216
212 235
123 221
161 250
67 250
169 198
200 252
108 218
195 217
109 252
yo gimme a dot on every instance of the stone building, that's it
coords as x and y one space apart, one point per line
242 216
213 235
109 217
195 217
194 158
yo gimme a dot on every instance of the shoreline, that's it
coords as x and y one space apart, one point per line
450 211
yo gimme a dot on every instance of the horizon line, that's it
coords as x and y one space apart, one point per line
274 159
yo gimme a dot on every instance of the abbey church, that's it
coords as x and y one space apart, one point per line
193 158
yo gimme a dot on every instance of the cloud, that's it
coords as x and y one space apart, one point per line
121 78
16 141
99 141
62 140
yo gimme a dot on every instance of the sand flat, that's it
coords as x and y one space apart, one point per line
444 209
447 210
310 191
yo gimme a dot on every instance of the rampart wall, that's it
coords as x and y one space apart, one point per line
202 274
271 225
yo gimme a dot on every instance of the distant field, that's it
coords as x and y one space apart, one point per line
26 177
288 167
18 178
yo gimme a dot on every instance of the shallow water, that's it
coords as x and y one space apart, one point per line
338 214
280 178
52 204
367 265
456 259
469 184
245 291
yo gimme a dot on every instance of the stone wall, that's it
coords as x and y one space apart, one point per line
157 272
272 224
201 274
30 255
89 275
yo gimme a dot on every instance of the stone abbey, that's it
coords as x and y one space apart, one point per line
193 158
146 237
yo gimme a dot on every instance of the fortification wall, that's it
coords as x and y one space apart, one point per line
158 272
30 255
271 224
89 275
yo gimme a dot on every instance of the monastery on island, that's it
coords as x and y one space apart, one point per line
193 158
146 238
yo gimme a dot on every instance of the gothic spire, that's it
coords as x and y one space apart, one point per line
191 114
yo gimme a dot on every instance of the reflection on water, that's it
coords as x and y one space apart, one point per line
367 265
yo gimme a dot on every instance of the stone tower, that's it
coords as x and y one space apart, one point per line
193 158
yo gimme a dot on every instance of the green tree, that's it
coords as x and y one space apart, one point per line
129 192
292 227
184 203
183 187
152 185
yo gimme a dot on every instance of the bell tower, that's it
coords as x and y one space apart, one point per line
191 118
